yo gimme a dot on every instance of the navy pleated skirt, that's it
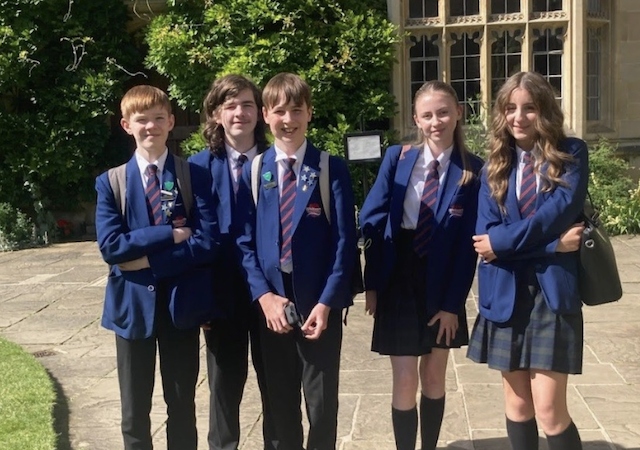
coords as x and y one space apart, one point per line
534 338
404 308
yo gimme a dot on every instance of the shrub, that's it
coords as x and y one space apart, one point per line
612 190
16 229
344 50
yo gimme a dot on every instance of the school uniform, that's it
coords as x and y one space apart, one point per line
158 306
318 270
530 308
413 287
233 327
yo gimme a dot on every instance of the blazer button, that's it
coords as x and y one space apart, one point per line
151 288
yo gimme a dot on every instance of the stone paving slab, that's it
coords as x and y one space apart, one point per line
51 301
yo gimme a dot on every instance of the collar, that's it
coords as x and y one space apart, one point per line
298 155
443 158
535 152
233 154
160 162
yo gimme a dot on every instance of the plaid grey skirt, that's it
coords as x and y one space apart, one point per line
534 338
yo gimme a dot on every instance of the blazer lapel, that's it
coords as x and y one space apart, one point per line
222 185
450 187
175 207
268 181
308 179
401 180
137 214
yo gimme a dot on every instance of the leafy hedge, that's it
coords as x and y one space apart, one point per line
344 49
59 81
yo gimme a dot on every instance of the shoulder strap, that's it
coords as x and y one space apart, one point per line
405 149
183 173
118 181
255 176
324 184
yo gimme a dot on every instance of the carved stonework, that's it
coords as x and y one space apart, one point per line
602 15
549 15
465 20
507 18
423 22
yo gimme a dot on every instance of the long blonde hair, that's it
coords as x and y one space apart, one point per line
458 134
549 128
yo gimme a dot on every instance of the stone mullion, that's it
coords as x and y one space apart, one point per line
574 61
527 37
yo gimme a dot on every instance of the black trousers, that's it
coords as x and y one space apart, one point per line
291 361
179 365
228 343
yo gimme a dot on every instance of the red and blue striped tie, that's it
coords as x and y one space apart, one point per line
424 228
153 194
287 201
527 200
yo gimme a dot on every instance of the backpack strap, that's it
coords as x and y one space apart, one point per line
405 149
183 174
324 184
118 181
255 176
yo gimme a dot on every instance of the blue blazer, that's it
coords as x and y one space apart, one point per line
451 254
228 261
130 300
519 243
322 253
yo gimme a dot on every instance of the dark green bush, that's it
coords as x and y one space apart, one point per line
16 229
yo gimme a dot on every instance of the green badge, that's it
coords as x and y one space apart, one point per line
267 176
168 185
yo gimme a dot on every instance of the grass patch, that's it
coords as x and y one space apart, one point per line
27 397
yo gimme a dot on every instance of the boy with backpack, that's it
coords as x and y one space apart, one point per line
156 228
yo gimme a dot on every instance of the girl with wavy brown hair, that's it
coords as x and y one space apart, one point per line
530 324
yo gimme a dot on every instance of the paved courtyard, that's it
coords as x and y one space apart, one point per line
51 301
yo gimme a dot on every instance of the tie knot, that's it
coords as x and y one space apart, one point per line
241 160
432 169
151 170
290 163
526 157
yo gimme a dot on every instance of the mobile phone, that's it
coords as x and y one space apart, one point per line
293 317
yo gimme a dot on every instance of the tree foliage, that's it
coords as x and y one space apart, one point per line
59 80
344 49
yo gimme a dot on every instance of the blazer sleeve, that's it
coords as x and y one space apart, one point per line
374 216
343 230
117 243
203 244
559 211
245 220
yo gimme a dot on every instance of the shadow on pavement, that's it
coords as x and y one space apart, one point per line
503 444
60 416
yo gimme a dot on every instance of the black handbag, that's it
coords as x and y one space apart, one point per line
598 277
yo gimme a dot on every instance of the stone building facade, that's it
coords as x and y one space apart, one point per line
588 49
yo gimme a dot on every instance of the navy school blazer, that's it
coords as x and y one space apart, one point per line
322 253
130 299
519 243
228 260
452 258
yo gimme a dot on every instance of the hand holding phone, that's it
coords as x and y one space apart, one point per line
291 313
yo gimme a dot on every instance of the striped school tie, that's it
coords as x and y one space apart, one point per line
424 228
153 194
527 200
287 201
238 171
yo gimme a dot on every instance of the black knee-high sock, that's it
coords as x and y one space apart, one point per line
569 439
405 428
523 435
431 412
